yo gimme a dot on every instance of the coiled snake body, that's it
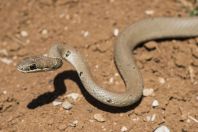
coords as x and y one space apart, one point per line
156 28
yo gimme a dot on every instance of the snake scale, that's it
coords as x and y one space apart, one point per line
142 31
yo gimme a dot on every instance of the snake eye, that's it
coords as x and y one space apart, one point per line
33 66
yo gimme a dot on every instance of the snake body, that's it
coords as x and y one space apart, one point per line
145 30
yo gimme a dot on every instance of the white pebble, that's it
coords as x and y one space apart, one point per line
149 12
4 92
124 129
96 66
115 32
44 32
24 33
111 80
162 128
6 61
73 96
74 123
155 103
67 105
148 91
161 80
99 118
116 74
56 102
151 117
85 33
91 120
136 119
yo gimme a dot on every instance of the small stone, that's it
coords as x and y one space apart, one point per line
149 12
155 103
148 91
73 96
146 56
123 129
91 120
151 45
44 32
115 32
6 61
4 92
111 80
85 33
24 33
74 123
162 128
151 117
161 80
56 102
67 105
99 118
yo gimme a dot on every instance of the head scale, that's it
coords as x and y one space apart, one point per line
39 64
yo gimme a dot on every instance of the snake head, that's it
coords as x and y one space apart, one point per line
39 64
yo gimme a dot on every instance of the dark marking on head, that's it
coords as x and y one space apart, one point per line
109 100
80 74
33 66
68 53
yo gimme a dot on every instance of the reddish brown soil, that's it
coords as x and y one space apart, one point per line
26 99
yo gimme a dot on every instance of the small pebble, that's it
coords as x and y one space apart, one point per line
85 33
67 105
151 117
149 12
6 61
56 102
24 33
74 123
73 96
161 80
91 120
162 128
99 118
147 56
44 32
111 80
150 45
115 32
4 92
124 129
148 91
155 103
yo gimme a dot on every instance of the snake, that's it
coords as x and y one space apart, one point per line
156 28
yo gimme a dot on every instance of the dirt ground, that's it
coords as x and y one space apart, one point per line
30 27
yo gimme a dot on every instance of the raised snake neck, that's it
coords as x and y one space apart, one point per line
145 30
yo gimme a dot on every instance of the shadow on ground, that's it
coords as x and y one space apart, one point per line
60 89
